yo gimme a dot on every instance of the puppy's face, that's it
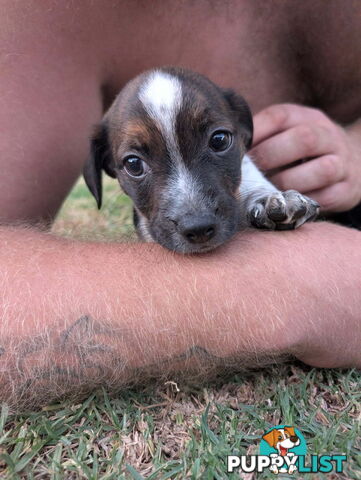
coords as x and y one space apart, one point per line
282 439
175 142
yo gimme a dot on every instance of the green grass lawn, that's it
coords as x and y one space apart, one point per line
174 431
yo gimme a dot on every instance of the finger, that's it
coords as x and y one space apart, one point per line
331 198
293 144
312 175
277 118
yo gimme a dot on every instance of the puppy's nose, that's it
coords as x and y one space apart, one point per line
198 230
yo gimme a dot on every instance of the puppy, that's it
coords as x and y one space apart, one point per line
176 142
282 439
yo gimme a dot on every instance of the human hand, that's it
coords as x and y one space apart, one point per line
331 169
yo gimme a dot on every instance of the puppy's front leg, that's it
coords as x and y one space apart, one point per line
269 208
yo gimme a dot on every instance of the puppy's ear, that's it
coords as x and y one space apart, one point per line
243 113
291 431
270 438
98 160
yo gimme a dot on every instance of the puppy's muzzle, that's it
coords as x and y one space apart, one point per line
198 229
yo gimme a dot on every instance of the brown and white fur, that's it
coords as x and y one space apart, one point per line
282 440
168 124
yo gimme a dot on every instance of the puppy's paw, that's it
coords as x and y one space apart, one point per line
282 211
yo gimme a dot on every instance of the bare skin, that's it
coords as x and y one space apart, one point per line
60 68
139 311
286 133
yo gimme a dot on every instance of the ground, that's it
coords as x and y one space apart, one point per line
175 431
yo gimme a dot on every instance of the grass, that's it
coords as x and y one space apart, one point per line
176 431
80 218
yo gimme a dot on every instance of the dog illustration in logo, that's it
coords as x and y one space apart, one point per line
282 440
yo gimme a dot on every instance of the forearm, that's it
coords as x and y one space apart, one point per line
78 315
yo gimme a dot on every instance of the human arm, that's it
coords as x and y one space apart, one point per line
77 315
50 98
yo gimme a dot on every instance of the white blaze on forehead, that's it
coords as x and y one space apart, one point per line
161 95
185 190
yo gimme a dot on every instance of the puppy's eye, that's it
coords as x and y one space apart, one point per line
134 166
220 141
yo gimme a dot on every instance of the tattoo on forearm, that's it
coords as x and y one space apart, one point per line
77 359
88 354
195 352
85 355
